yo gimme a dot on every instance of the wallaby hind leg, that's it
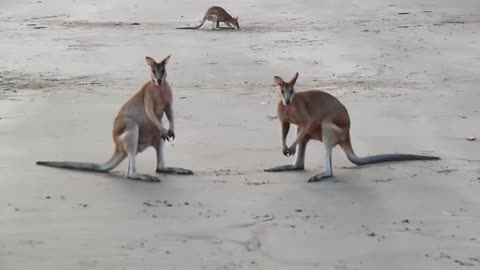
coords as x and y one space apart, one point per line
299 164
161 167
302 147
328 172
129 139
330 134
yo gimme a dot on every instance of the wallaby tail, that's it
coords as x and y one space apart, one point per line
347 148
85 166
194 27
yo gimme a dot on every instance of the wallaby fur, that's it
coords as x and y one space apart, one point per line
320 116
217 15
137 126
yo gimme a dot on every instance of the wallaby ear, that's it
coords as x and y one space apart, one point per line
165 61
294 79
236 18
150 61
279 81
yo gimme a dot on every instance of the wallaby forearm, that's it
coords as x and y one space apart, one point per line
169 114
149 109
285 129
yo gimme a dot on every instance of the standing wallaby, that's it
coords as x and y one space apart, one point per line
137 126
320 116
217 15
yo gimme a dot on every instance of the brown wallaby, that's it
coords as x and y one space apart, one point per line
320 116
217 15
137 126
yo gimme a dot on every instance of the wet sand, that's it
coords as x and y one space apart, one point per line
408 72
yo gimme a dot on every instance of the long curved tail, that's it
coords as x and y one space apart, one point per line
195 27
347 148
86 166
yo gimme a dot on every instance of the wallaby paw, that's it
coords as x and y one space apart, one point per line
144 177
319 177
165 135
171 134
170 170
183 171
284 168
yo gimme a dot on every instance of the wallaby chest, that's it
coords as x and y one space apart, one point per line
288 113
162 97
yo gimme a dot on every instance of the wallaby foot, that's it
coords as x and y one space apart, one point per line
143 177
319 177
172 170
285 168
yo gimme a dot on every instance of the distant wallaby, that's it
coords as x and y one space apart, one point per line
320 116
137 126
217 15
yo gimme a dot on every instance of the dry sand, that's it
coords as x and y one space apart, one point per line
405 78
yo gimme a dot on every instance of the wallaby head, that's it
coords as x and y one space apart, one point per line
287 88
235 22
159 72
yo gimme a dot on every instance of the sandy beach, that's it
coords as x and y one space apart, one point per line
408 72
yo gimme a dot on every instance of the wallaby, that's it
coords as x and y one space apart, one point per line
137 126
320 116
217 15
